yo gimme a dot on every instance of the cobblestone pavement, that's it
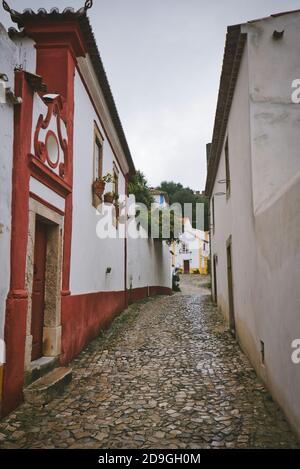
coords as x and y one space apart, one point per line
166 375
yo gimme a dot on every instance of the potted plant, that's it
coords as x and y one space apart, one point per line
98 187
99 184
108 178
109 197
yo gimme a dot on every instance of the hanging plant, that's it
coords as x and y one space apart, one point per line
109 197
98 187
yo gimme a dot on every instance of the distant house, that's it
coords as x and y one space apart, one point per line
161 198
191 253
253 184
60 133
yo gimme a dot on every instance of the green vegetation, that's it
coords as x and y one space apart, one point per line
179 194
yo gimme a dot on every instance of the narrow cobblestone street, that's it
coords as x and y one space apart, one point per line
167 375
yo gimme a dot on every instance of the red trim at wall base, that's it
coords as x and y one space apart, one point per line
83 316
15 333
137 294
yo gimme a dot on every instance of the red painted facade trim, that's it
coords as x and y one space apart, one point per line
83 316
47 204
56 64
136 294
47 177
60 35
56 45
17 300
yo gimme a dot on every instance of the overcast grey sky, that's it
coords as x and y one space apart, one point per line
163 60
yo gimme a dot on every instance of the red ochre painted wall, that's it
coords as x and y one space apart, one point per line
83 316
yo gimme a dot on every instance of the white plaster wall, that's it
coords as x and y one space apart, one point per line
26 57
276 195
274 64
36 187
90 256
262 213
7 62
149 263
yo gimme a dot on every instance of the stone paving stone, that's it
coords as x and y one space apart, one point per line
169 375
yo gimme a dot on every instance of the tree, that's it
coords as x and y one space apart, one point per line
179 194
138 186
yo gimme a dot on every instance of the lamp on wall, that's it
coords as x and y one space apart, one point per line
219 194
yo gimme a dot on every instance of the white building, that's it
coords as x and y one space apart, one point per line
161 198
254 188
191 253
60 134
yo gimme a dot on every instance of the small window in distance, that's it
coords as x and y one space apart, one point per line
227 168
213 212
98 161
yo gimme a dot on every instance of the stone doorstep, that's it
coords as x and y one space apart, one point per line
48 387
39 368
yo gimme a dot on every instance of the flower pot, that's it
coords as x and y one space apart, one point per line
98 188
108 198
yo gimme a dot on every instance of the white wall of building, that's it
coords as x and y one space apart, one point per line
91 256
8 58
149 263
262 214
276 195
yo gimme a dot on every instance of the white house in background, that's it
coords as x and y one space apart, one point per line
161 198
191 253
253 184
60 283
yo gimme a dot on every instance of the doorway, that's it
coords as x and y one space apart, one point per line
38 289
186 266
215 260
230 286
43 282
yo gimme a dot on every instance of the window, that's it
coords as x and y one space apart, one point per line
116 179
97 165
98 154
98 159
227 169
213 213
116 193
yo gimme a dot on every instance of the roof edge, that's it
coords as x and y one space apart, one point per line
233 52
28 15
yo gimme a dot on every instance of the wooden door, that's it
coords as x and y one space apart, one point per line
230 289
186 267
38 289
